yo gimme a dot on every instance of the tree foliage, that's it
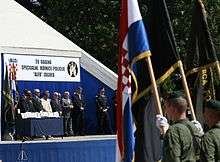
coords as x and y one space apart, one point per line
93 24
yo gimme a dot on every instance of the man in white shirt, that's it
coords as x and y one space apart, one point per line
45 101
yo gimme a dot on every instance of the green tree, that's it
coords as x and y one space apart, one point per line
93 24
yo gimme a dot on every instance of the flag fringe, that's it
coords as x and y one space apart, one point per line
196 70
136 59
158 81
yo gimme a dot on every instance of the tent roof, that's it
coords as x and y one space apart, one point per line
23 32
20 28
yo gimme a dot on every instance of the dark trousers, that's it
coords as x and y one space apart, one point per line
68 130
80 123
104 123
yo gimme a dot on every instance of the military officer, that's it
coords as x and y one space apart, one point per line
178 138
211 140
20 106
102 113
28 103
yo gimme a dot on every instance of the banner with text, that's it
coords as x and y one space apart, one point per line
42 68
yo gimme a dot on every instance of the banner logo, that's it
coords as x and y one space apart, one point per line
72 69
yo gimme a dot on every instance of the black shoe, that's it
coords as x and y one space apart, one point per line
82 134
71 134
66 134
49 137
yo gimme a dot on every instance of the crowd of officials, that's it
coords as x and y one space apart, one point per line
184 140
70 107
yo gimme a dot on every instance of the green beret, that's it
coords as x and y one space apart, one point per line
213 104
174 95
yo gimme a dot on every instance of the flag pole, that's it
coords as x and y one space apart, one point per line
187 90
212 82
154 86
218 69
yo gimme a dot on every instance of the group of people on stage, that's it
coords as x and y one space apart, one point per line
185 140
71 108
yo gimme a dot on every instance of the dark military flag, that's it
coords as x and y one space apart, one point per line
147 135
165 56
200 60
8 116
201 49
204 90
161 38
148 143
165 59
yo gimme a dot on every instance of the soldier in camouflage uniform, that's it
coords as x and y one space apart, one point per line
178 143
211 140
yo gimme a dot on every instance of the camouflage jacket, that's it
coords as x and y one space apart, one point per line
211 145
178 143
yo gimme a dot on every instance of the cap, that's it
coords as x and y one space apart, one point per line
46 92
67 93
102 89
174 95
79 89
37 90
213 104
28 92
25 91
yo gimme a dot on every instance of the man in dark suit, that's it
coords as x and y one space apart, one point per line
67 107
36 100
55 103
78 112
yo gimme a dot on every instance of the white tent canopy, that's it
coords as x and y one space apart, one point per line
23 32
20 28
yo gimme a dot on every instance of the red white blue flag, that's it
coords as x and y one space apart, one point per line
12 78
133 46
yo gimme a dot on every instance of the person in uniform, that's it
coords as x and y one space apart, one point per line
28 103
178 138
25 104
37 101
79 104
210 150
20 106
67 107
102 113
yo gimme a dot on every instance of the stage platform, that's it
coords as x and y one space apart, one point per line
67 149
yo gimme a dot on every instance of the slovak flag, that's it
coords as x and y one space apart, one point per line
133 46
